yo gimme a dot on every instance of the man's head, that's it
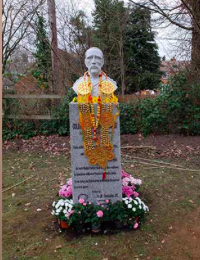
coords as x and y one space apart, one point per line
94 61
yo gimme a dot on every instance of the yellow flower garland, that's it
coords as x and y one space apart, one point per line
96 140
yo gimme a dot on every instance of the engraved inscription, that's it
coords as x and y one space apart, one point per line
87 179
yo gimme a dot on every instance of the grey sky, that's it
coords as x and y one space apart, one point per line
165 38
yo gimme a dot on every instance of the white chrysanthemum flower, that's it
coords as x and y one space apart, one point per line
138 199
57 205
130 206
133 209
54 203
64 211
135 201
52 212
62 203
140 207
126 201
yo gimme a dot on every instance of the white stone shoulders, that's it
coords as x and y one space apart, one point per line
78 81
112 81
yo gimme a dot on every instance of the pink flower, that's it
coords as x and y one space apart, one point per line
124 174
69 191
126 181
65 191
136 225
107 201
128 191
69 182
136 194
69 213
100 214
135 181
81 201
84 204
138 182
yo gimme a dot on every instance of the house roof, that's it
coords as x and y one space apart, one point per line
173 66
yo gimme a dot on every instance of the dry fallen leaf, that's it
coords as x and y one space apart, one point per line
58 247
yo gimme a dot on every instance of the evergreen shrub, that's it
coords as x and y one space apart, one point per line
176 111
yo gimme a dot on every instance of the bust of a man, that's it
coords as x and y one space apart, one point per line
94 61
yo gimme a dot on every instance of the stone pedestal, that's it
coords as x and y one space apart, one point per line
87 179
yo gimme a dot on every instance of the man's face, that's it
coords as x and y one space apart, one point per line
94 61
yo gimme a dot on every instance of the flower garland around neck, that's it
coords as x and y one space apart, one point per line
97 142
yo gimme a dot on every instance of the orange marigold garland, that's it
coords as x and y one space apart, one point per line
96 140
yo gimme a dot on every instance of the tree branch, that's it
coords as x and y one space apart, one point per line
157 9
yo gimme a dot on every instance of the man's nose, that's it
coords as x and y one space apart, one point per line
93 60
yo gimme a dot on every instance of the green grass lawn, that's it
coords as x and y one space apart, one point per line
31 232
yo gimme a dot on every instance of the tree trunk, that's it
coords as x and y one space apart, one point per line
122 69
54 46
195 52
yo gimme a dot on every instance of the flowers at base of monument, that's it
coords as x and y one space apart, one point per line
81 201
66 190
135 209
136 225
86 212
63 208
128 180
128 212
128 191
130 185
100 214
135 205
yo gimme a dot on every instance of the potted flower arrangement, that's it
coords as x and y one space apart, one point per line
126 212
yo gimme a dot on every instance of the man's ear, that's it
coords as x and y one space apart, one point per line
86 63
102 62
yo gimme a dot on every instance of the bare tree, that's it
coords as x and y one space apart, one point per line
184 14
74 36
54 43
16 18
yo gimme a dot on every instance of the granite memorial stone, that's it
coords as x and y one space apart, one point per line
86 178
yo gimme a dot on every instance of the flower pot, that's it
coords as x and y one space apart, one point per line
96 228
63 224
79 228
118 224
